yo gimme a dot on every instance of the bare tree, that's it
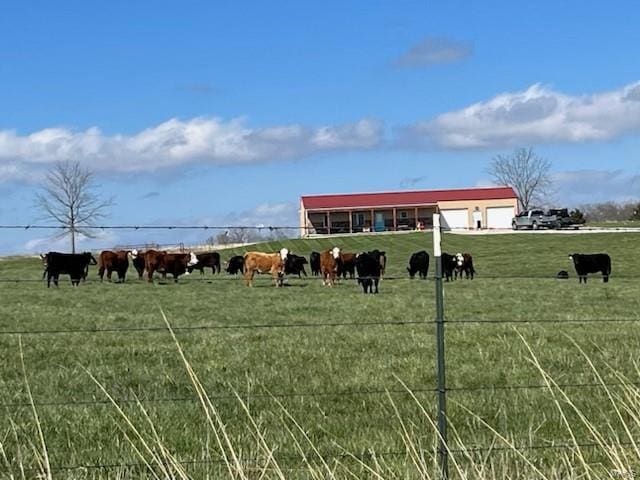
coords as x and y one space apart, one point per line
67 198
526 172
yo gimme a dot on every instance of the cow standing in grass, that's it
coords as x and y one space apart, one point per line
209 259
448 266
73 264
137 259
235 265
419 263
591 263
165 263
113 262
294 265
347 265
259 262
369 271
464 264
314 263
329 260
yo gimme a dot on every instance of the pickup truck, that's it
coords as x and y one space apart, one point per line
535 219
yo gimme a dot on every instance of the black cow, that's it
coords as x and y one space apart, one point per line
210 259
448 266
464 264
73 264
419 263
314 263
137 258
235 265
369 271
294 265
382 259
593 263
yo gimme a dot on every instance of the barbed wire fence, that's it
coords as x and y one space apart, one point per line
441 390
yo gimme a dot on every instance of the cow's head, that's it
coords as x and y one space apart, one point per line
459 259
335 252
45 259
92 260
192 259
284 253
134 254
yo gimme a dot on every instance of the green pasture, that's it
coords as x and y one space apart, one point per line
333 359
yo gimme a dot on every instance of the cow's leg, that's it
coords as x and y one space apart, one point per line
101 273
605 277
150 275
248 278
376 281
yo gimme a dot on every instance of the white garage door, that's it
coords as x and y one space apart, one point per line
458 218
499 217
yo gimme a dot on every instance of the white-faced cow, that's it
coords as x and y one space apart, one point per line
329 265
209 259
464 264
591 263
73 264
419 263
175 264
259 262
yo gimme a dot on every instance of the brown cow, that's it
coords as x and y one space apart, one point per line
329 261
265 262
113 262
173 263
347 265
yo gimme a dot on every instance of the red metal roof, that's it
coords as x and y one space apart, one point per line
389 199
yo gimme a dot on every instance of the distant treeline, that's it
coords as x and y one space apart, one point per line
611 211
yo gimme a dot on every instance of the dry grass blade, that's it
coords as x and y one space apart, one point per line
230 457
43 446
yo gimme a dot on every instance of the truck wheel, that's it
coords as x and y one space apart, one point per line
534 225
514 226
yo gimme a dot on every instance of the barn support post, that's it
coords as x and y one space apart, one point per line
395 219
328 223
350 221
443 453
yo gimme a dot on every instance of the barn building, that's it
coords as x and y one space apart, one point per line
406 210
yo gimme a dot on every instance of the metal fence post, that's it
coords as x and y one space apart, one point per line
442 390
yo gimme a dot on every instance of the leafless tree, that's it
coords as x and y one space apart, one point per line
67 197
526 172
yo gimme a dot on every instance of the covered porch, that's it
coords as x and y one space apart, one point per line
391 219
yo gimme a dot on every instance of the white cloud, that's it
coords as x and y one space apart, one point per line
177 142
538 115
433 51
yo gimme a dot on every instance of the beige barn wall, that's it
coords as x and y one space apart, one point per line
471 205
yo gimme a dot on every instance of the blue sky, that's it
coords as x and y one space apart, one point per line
204 112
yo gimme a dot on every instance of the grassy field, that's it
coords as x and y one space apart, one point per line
343 384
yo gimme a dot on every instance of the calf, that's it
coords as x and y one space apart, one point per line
329 260
265 262
73 264
235 265
419 263
448 266
314 263
347 265
294 265
464 264
210 259
591 263
113 262
369 271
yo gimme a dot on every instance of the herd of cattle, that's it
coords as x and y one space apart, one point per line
367 267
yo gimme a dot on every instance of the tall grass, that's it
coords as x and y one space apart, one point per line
610 452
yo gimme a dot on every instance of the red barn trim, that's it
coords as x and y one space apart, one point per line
405 198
